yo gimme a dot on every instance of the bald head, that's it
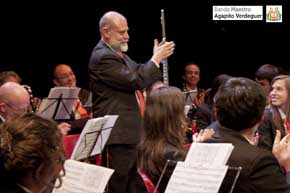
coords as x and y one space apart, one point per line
110 18
114 31
14 99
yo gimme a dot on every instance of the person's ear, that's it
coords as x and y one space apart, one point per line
39 173
106 32
55 82
183 77
2 107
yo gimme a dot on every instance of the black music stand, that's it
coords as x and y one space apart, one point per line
230 179
59 103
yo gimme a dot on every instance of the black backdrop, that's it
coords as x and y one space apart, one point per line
35 37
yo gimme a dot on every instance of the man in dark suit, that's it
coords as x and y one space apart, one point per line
240 103
114 78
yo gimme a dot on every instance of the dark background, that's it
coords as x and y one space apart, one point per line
36 36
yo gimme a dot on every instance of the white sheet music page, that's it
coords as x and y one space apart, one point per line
213 154
196 179
83 178
69 95
46 108
49 105
93 137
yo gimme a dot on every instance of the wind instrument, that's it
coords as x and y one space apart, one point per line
164 62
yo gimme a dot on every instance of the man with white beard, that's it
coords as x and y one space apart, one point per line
113 79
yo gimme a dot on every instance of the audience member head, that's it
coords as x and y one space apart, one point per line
31 153
9 76
283 71
164 125
191 75
114 31
165 111
240 104
264 76
14 100
280 93
217 82
64 76
155 85
280 101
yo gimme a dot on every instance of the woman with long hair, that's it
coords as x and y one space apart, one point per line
163 137
31 154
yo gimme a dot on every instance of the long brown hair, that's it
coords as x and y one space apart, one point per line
29 144
275 110
164 126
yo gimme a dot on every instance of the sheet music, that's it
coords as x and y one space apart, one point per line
49 105
95 129
213 154
189 96
84 178
195 179
105 134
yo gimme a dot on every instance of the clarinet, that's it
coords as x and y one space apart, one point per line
164 62
32 103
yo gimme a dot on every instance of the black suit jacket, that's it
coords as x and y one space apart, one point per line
267 131
11 189
113 81
261 172
85 98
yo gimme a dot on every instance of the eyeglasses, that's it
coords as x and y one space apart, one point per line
65 76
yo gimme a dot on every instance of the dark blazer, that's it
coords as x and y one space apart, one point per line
267 131
85 98
174 155
11 189
261 171
113 81
203 116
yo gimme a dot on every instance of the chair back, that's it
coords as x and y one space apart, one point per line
148 183
69 142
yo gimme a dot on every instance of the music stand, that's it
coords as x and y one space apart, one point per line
93 137
59 103
227 185
188 98
230 179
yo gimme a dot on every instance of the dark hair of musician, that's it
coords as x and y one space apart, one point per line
240 103
195 63
164 129
30 147
217 82
267 72
5 75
